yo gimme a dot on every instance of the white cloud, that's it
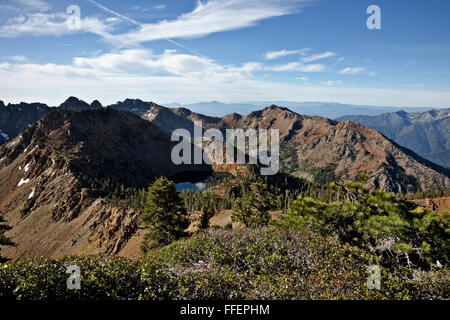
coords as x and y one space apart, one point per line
52 84
156 7
118 15
141 61
144 63
19 58
297 66
283 53
210 17
318 56
331 83
38 5
134 63
355 70
51 24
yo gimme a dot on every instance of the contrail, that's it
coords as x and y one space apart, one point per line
141 25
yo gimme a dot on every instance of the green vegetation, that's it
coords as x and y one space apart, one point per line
401 232
164 214
288 157
324 176
117 194
253 209
320 247
267 263
285 187
5 241
426 194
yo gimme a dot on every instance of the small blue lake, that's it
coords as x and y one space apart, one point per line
190 186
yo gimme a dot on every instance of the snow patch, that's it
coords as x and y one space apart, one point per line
22 182
27 167
31 194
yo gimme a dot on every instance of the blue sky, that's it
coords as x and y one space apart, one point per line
226 50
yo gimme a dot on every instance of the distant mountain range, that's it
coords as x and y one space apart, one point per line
315 148
15 118
427 133
323 109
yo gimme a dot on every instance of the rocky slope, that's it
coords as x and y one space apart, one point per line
427 133
322 150
51 173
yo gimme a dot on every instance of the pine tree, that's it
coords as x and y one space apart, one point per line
402 232
164 215
253 209
207 214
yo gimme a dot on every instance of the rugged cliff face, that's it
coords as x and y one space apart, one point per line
49 178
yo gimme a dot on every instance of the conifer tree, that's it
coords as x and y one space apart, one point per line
164 215
402 232
253 209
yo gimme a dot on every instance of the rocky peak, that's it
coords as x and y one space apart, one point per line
275 107
75 104
96 105
135 106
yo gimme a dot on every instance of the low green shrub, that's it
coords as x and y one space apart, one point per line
268 263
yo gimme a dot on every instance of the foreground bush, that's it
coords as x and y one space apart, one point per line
225 264
287 264
401 232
